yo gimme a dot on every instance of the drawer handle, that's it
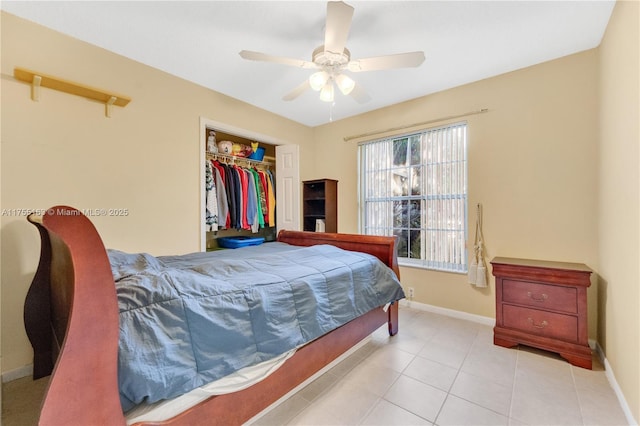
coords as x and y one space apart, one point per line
543 324
537 299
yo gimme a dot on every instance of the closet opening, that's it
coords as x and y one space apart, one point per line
239 188
241 166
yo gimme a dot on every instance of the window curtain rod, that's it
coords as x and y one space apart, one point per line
395 129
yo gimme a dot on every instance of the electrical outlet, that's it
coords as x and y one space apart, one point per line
410 292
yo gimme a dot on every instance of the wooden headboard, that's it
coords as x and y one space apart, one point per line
384 248
72 306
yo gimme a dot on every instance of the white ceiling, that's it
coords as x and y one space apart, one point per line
464 41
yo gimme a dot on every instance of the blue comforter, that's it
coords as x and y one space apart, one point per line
188 320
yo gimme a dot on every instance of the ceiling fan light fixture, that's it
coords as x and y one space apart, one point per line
318 80
330 59
345 84
326 94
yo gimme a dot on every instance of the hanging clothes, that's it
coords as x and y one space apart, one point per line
221 195
252 209
271 199
237 194
231 187
243 198
264 197
211 211
259 196
244 195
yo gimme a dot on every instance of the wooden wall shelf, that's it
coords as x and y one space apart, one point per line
38 79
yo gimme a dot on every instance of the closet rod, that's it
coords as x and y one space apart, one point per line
409 126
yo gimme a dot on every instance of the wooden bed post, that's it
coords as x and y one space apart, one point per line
393 318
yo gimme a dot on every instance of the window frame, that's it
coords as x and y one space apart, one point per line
461 266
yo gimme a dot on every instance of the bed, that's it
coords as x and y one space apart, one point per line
72 320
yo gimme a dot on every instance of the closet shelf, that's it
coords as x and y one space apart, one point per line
234 158
38 79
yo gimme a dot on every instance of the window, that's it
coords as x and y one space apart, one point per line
415 187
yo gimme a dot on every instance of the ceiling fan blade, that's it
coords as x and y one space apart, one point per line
339 15
257 56
400 60
359 94
297 91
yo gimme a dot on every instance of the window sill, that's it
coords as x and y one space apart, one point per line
418 265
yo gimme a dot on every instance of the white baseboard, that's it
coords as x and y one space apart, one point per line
448 312
614 384
18 373
492 322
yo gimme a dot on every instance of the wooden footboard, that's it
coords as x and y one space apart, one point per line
71 318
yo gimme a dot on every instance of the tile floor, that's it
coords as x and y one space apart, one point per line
437 370
445 371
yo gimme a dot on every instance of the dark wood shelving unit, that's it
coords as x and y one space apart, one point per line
320 201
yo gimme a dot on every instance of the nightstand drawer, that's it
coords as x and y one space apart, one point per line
541 296
542 323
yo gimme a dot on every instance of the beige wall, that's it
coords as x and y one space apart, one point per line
532 161
550 162
62 150
619 205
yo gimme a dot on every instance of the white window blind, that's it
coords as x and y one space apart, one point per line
415 187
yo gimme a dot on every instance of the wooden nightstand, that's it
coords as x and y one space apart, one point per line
543 304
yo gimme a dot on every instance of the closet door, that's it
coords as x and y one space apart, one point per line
288 187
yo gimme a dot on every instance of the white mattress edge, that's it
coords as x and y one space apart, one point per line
234 382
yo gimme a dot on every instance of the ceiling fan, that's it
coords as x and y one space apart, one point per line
333 58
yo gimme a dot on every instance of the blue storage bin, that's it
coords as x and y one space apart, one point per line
240 241
258 155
